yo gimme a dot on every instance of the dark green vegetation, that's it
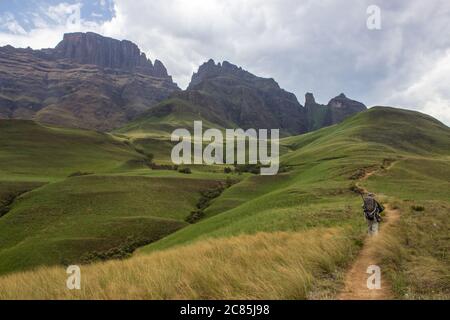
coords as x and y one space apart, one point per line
206 198
10 190
124 204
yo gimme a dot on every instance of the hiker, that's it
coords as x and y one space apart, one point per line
372 210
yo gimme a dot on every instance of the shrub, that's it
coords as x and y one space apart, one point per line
121 251
156 166
229 182
354 188
358 174
227 170
185 170
205 200
251 168
195 216
148 155
418 208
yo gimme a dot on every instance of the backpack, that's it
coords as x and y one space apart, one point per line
370 208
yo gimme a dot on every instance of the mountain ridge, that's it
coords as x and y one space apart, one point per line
87 81
94 82
229 96
92 48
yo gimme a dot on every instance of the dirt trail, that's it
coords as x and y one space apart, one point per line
355 284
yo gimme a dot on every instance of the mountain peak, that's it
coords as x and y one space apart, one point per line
309 100
87 81
211 69
342 101
95 49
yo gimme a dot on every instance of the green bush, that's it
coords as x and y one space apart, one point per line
195 216
185 170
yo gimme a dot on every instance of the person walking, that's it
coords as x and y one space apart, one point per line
372 209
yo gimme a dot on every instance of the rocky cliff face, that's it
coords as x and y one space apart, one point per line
94 49
337 110
87 81
247 100
342 107
210 71
253 102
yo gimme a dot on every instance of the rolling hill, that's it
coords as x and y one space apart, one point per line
69 195
322 163
30 151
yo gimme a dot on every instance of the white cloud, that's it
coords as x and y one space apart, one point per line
8 22
319 46
65 13
50 23
430 92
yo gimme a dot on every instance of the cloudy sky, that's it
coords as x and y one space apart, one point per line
324 47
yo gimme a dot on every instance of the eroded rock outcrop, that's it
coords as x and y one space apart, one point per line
337 110
247 100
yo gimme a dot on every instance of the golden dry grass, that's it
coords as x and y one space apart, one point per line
262 266
414 253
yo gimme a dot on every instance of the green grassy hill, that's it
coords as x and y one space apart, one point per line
287 236
30 151
172 114
316 192
94 217
151 132
113 205
321 164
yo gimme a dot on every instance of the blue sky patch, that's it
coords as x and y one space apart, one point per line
19 16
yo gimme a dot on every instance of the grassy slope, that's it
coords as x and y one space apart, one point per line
267 265
169 115
250 258
415 256
65 219
316 191
151 132
29 151
63 222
